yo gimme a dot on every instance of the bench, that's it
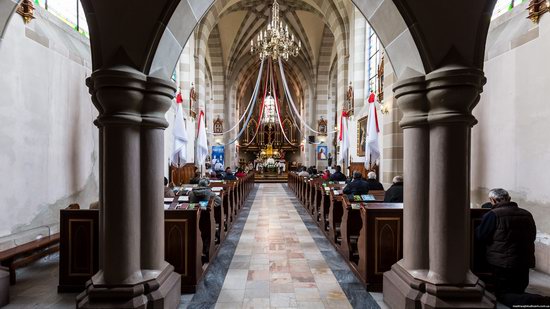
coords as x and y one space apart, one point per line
25 254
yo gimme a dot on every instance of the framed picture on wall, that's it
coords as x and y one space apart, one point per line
322 153
361 136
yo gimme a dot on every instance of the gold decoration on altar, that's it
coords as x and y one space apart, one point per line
26 10
536 8
269 152
276 41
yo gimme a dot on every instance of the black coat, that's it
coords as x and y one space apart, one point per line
357 187
374 184
394 193
509 233
338 176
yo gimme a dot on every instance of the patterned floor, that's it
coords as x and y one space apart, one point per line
277 263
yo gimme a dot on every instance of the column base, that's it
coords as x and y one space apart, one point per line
160 292
402 290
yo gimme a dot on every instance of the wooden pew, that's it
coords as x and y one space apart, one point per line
350 228
319 191
324 206
79 248
380 242
79 228
27 253
336 212
183 245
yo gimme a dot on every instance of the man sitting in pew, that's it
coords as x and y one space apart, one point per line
168 192
358 186
338 175
395 192
202 193
373 183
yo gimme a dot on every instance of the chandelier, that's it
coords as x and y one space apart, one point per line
269 110
276 41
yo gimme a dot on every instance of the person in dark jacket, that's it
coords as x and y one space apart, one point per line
229 174
508 233
195 180
203 193
357 186
338 175
395 192
373 183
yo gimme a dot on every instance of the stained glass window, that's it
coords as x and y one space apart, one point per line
373 59
503 6
69 11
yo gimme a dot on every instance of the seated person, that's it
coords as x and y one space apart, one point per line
326 175
202 193
357 186
213 176
338 175
395 192
373 183
240 173
509 234
94 205
168 192
229 175
303 172
195 179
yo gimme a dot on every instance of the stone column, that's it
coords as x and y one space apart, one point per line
435 270
453 92
411 98
120 94
90 85
402 283
133 273
157 101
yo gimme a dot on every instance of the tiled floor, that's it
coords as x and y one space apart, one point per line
277 263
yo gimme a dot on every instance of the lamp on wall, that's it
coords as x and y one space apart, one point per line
26 10
537 8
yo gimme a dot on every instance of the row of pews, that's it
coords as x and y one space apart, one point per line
193 235
367 232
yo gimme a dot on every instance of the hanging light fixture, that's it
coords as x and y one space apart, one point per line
275 41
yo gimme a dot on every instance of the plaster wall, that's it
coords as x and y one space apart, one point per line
48 142
510 145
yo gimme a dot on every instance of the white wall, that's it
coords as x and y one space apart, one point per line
511 143
48 142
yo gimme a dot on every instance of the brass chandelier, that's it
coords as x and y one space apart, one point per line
276 41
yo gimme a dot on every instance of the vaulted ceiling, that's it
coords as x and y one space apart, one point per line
239 21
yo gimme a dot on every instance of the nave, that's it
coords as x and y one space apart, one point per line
274 256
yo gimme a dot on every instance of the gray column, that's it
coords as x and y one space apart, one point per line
120 94
90 84
133 272
157 101
453 92
411 97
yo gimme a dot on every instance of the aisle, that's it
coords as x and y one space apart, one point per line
277 263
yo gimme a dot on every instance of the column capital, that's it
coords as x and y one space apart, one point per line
410 94
158 99
453 92
119 94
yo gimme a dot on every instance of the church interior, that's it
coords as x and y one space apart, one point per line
315 154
